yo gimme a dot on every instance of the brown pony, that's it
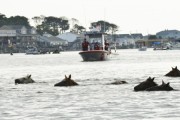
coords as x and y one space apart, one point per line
118 82
174 72
162 87
145 84
67 81
24 80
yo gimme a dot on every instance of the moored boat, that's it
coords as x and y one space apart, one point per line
175 46
95 48
143 48
32 50
162 46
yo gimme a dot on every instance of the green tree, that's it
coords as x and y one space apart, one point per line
13 20
77 28
38 20
18 20
53 25
113 28
150 37
74 21
105 26
48 25
40 29
3 19
64 24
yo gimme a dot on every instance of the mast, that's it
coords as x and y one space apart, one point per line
103 45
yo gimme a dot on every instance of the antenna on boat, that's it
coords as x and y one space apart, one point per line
104 21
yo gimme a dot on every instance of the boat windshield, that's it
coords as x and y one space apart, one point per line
96 40
95 43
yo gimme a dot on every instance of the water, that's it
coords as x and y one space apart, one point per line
93 98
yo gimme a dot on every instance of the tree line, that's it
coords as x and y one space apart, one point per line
56 25
13 20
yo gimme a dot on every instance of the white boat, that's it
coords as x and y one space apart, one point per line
175 46
96 47
162 46
143 48
32 50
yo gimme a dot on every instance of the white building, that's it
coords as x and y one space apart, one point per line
124 39
52 41
17 34
168 34
16 30
69 36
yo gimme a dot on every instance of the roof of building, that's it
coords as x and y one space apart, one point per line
165 32
137 35
54 38
13 27
69 36
124 36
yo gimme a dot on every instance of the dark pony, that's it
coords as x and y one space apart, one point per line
67 81
145 84
174 72
162 87
24 80
118 82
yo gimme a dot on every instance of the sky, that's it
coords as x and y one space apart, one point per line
131 16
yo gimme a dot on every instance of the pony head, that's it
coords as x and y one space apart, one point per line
145 84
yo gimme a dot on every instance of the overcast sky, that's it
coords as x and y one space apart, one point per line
132 16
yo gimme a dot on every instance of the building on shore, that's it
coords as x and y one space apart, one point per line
50 43
124 41
168 34
151 43
18 36
74 40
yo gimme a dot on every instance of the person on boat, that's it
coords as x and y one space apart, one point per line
96 46
85 45
92 45
106 45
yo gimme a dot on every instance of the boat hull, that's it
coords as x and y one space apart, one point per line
32 53
161 49
94 55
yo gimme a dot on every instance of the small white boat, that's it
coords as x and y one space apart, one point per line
161 48
32 50
143 48
175 46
